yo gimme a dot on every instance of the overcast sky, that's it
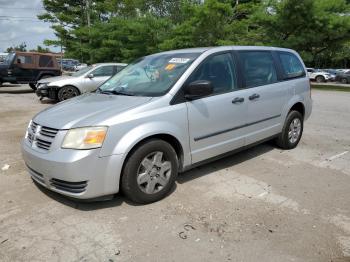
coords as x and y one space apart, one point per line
18 23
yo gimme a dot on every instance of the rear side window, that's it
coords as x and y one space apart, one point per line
45 61
291 65
258 68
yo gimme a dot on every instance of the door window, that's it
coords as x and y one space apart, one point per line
291 65
23 59
220 71
258 68
45 61
103 71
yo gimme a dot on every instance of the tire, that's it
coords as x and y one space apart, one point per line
344 81
138 181
320 79
32 86
67 92
290 136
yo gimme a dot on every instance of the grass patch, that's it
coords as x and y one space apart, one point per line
331 88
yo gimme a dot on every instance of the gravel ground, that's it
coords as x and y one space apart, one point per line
262 204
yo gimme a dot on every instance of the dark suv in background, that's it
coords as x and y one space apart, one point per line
28 68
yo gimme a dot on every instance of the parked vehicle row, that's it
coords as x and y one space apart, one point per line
3 57
325 75
71 65
83 81
163 114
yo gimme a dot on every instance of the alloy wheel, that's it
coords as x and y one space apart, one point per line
154 173
294 130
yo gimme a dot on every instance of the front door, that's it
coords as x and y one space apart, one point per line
217 122
99 75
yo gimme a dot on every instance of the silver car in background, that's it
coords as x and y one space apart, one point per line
164 114
85 80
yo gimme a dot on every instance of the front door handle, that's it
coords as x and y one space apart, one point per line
238 100
254 96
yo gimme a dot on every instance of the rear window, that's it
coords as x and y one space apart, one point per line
258 68
291 65
45 61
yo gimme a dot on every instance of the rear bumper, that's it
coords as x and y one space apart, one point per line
78 174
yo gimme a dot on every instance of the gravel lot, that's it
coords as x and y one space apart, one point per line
262 204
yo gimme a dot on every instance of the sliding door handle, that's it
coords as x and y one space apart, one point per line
254 96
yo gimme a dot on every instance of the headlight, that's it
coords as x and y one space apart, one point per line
42 85
85 137
29 125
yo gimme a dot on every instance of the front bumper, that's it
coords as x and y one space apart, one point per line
48 91
81 174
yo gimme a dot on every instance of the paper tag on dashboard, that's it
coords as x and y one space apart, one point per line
179 60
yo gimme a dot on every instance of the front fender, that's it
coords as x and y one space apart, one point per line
135 135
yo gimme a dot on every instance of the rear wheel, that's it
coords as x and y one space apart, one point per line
320 79
292 131
150 172
67 92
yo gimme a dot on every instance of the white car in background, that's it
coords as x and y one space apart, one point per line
86 80
319 76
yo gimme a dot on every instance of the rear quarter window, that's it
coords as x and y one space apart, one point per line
291 65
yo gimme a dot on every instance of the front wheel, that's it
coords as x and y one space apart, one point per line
150 172
67 92
292 131
344 81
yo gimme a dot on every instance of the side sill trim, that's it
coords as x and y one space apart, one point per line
234 128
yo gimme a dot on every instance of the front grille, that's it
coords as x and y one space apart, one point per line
71 187
41 136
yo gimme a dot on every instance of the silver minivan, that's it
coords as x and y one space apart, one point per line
165 113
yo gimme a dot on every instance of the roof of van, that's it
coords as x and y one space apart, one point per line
219 48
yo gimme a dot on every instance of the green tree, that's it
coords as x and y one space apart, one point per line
312 27
21 47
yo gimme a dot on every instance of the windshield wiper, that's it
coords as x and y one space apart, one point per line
114 92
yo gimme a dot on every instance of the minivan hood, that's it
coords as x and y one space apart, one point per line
86 110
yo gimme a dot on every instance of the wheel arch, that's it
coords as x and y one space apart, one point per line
172 140
45 74
298 106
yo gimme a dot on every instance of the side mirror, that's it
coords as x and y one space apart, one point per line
90 76
198 89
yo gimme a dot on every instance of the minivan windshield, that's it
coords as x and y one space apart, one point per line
152 75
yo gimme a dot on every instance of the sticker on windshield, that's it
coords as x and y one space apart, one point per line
179 60
170 67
